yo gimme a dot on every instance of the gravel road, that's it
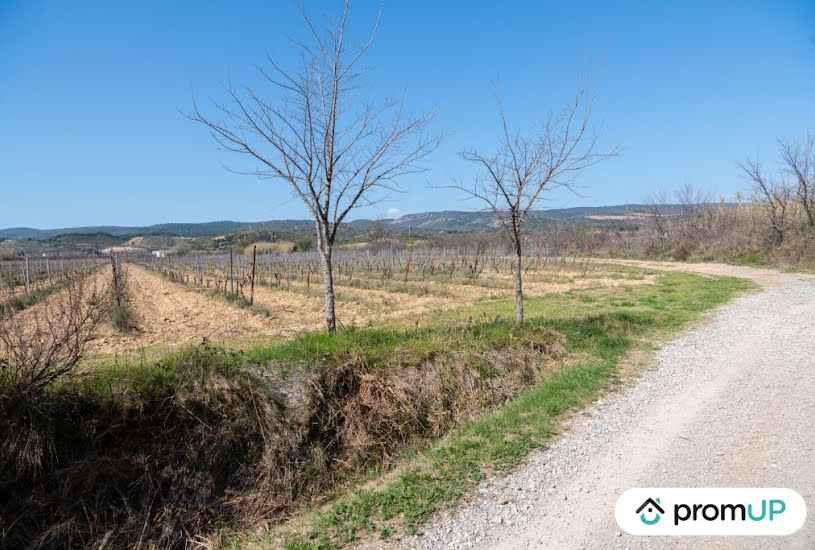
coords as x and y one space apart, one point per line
729 403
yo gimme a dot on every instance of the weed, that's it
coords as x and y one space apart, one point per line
123 318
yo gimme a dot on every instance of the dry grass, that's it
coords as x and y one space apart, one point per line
205 438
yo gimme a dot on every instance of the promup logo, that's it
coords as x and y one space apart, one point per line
710 512
653 507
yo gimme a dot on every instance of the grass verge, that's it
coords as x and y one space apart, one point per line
602 326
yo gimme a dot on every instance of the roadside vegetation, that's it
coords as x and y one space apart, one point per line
771 223
209 442
599 328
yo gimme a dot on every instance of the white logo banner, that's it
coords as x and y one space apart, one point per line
710 511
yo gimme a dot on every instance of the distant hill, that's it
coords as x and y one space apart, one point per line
453 220
175 229
446 221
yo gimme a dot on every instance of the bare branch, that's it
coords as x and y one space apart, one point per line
799 158
309 129
512 180
773 196
525 166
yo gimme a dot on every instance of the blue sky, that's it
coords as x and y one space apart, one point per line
92 95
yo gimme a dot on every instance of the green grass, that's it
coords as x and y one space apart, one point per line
367 348
191 366
387 347
752 258
601 325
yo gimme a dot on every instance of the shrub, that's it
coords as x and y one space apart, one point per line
123 318
303 244
47 342
37 349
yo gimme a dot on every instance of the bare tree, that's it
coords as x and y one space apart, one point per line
312 129
656 203
772 195
694 204
512 180
799 158
48 341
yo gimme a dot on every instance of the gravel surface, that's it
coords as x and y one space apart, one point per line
727 404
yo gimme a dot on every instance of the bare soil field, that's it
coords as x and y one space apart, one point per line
301 308
169 314
8 292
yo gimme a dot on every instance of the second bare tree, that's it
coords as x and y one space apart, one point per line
511 180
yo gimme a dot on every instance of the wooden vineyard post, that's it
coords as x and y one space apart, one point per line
252 282
27 281
115 280
407 266
231 273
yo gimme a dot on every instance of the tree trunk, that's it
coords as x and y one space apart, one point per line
519 290
325 249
